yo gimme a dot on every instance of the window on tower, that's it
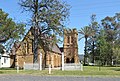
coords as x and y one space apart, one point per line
72 39
68 39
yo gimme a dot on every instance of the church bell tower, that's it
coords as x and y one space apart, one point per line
71 46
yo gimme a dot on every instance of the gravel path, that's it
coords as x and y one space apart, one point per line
54 78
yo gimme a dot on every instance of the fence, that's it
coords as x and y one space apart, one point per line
31 66
73 66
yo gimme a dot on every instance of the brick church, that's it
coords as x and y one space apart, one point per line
22 52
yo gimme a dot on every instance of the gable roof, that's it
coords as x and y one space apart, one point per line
55 48
15 48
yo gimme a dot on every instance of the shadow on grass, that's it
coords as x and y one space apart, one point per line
7 68
1 72
116 69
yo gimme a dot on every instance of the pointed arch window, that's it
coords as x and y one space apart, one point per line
72 39
68 39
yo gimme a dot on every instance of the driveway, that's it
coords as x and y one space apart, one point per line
54 78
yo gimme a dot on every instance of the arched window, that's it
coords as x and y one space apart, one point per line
72 60
72 39
68 39
67 60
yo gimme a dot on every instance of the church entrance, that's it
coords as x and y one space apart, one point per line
67 60
72 60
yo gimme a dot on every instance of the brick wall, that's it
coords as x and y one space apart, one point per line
25 54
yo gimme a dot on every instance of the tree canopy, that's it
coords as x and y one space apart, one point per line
47 18
1 49
9 30
103 42
47 15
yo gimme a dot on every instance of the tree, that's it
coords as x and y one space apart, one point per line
1 49
104 48
111 26
9 30
107 39
116 56
48 18
86 33
92 41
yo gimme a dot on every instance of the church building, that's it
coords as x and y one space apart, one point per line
22 52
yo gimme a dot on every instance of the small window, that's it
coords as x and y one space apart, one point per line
72 39
5 59
68 39
32 45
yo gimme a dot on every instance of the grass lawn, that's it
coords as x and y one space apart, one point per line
88 71
92 71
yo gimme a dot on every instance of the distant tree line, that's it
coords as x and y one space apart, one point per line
102 40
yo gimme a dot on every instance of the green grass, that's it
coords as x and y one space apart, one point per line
92 71
88 71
